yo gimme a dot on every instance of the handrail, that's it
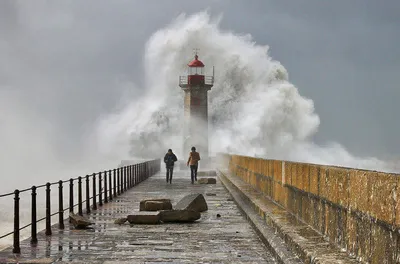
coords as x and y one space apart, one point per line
116 182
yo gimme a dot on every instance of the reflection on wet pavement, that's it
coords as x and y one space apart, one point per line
225 239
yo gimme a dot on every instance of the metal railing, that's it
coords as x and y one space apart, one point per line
116 182
208 80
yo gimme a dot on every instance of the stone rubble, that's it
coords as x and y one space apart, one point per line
195 202
79 222
207 181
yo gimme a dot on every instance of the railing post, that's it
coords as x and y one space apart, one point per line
132 179
129 176
141 172
115 182
80 196
122 179
60 205
126 178
94 192
34 217
105 188
87 194
16 246
71 195
110 185
48 210
118 179
133 175
100 191
131 170
136 174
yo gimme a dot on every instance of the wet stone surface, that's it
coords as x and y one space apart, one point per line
211 239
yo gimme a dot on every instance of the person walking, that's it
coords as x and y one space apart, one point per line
193 161
169 160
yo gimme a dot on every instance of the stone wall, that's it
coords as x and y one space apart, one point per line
358 210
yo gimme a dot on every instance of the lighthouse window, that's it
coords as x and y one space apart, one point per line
195 70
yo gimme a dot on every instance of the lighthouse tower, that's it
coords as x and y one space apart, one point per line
195 125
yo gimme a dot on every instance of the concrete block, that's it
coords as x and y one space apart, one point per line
271 167
383 197
305 176
263 183
342 227
284 196
314 179
306 209
351 235
364 239
264 167
278 170
155 204
323 217
143 217
294 174
360 190
79 222
343 178
313 216
291 202
207 181
332 185
279 193
276 191
339 186
179 216
298 204
299 176
331 223
383 245
195 202
323 182
288 172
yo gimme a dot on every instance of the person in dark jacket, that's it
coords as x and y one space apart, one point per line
169 160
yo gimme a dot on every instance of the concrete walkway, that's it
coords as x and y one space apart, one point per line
225 239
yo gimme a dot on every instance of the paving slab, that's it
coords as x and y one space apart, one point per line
221 235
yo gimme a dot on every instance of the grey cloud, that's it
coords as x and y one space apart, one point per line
67 59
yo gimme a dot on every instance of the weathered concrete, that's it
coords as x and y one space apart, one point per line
211 239
356 210
79 222
158 205
179 216
308 244
142 204
207 181
144 217
194 201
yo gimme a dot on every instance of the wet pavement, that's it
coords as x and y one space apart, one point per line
212 239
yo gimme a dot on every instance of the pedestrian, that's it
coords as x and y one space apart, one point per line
193 161
169 160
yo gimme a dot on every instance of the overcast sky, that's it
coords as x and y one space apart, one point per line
66 63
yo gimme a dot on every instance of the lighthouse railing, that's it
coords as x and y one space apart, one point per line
208 80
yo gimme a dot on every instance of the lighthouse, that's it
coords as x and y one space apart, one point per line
195 122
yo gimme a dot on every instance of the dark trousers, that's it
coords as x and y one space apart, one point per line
193 172
170 170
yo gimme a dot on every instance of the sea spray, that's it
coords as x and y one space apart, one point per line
253 108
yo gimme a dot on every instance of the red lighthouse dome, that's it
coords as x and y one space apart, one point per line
196 62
